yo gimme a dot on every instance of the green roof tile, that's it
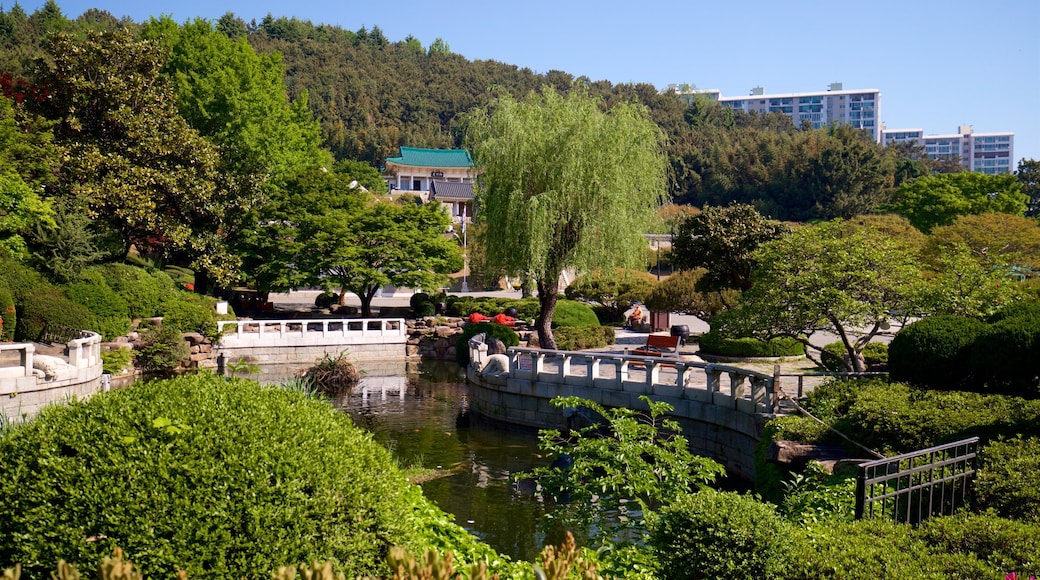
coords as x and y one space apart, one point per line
416 157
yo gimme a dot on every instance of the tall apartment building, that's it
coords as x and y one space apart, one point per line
983 152
859 108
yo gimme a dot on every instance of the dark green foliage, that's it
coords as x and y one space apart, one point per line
115 360
934 352
20 279
1007 480
424 309
8 315
417 298
48 313
573 313
1025 308
871 549
581 337
712 342
142 291
1002 544
160 350
896 418
220 478
326 300
507 335
111 312
615 290
874 354
1006 355
713 534
190 312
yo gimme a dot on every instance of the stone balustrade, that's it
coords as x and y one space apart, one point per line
294 341
29 381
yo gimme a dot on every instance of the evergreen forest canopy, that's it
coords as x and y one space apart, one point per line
182 137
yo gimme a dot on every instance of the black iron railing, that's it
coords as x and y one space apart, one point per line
915 486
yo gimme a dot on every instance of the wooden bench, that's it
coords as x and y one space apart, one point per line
659 345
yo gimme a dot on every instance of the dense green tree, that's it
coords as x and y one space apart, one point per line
27 158
1028 175
237 98
680 293
965 285
723 241
993 239
131 157
937 200
827 277
360 244
565 185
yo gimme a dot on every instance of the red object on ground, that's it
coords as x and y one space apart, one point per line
503 320
478 317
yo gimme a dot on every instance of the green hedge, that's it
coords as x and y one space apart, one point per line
220 478
1007 479
142 290
712 342
713 534
571 313
934 352
507 335
463 306
110 309
580 337
189 312
49 311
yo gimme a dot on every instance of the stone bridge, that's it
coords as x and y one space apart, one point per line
303 341
720 408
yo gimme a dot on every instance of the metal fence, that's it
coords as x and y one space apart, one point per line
915 486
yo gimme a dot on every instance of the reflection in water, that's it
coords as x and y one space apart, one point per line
422 415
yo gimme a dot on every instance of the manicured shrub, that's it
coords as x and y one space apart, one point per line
507 335
580 337
423 309
417 298
326 300
1007 480
190 312
110 310
1029 308
142 291
20 279
219 478
934 352
714 534
1003 545
8 315
712 342
895 418
870 549
489 306
573 313
1006 356
48 312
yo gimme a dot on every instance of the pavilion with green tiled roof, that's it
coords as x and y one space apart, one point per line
416 168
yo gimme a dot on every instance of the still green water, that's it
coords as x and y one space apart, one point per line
421 414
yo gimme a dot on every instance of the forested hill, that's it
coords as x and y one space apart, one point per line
372 94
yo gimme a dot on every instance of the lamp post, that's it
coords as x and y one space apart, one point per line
465 254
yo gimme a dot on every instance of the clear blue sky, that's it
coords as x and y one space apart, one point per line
938 63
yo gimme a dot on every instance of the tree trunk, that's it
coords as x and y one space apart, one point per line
366 301
547 302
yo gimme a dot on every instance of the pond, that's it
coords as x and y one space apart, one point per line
420 412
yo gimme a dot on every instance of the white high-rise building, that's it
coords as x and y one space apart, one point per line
983 152
859 108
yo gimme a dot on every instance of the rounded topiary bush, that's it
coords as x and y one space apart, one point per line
573 313
1006 355
934 352
580 337
715 534
507 335
220 478
190 312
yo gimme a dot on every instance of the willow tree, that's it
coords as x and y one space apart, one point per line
564 184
